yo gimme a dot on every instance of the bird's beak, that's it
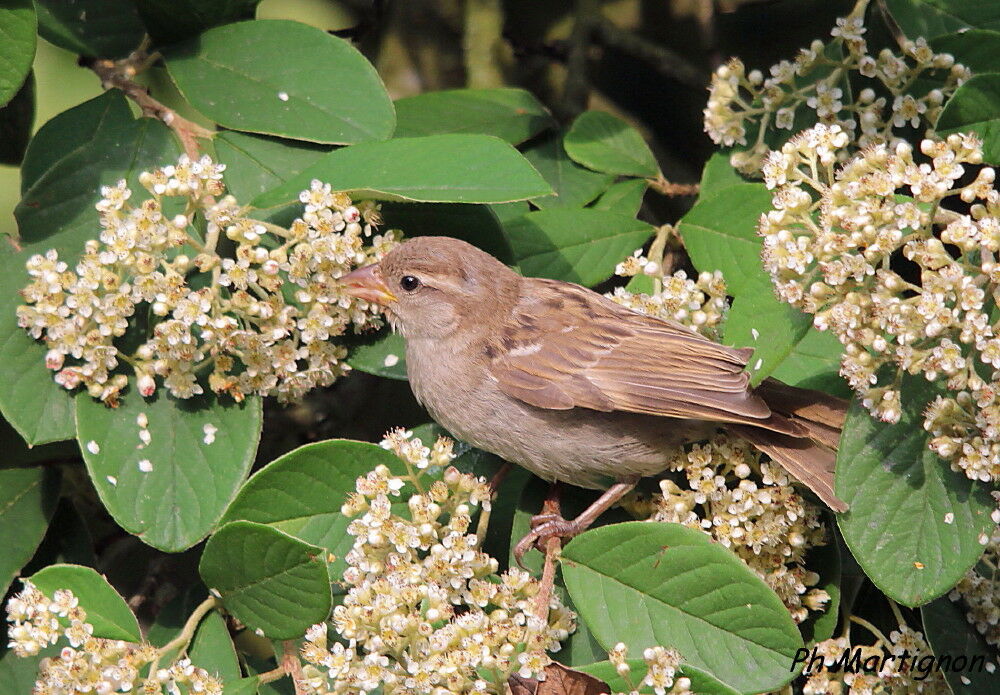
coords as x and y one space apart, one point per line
367 283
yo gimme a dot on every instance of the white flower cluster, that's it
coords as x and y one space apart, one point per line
87 663
829 245
979 590
894 674
751 508
661 670
699 304
739 100
427 611
254 308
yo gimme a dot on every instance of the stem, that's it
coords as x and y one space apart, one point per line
871 628
183 639
118 74
483 41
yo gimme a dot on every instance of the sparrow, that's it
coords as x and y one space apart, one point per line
574 387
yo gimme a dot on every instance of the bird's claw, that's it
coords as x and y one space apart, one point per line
544 527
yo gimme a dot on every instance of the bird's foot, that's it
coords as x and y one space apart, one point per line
543 528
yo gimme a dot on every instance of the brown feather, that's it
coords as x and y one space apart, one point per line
593 353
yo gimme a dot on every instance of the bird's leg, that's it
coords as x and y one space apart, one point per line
550 525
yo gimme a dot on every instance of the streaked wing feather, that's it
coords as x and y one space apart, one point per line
568 347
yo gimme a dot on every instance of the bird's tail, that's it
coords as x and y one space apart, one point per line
811 456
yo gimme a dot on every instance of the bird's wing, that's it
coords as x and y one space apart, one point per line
567 347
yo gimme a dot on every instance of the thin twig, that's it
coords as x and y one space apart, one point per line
672 190
664 60
552 548
183 639
119 74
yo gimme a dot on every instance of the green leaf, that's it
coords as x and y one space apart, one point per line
243 686
975 108
432 169
976 49
189 483
381 354
57 212
212 648
106 610
648 584
16 121
258 163
267 579
603 142
17 45
169 21
18 674
91 28
950 635
718 174
514 115
785 342
301 493
28 499
931 18
701 682
624 197
576 245
476 224
720 233
900 495
73 131
572 185
274 88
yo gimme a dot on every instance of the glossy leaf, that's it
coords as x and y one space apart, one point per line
106 610
624 197
664 584
72 131
720 233
92 28
28 499
950 634
572 185
57 212
258 163
169 21
718 174
173 491
267 579
603 142
514 115
580 245
432 169
212 648
275 91
931 18
786 345
17 673
975 108
901 496
16 121
301 493
17 45
701 682
976 49
476 224
381 354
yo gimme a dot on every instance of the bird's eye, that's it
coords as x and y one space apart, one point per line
409 283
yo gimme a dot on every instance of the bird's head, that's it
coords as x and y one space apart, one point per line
431 286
